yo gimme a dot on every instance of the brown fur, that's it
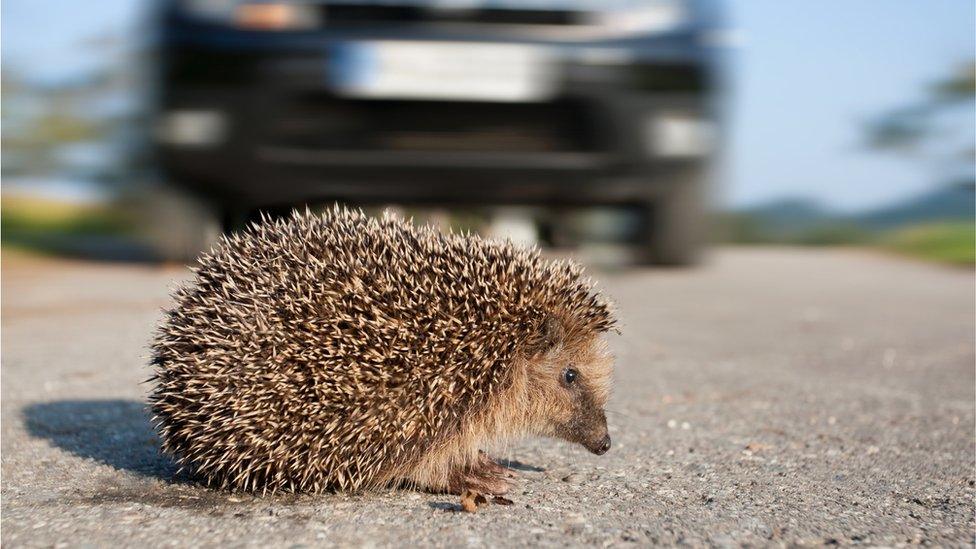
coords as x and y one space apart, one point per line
535 403
342 352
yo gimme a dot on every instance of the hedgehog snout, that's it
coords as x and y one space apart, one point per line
592 432
598 445
603 447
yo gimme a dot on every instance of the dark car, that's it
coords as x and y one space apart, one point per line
560 104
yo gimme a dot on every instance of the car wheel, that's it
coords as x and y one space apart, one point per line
675 228
179 226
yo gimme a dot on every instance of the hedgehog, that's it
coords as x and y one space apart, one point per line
337 351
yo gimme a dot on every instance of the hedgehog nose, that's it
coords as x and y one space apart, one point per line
603 447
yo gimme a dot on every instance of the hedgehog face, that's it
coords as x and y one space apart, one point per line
574 382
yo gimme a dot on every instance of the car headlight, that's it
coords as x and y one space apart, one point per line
254 15
645 16
678 135
192 128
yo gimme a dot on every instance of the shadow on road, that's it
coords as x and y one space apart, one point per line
445 506
519 466
113 432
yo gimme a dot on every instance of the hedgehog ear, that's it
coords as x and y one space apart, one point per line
549 336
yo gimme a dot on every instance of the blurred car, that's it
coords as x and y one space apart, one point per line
568 103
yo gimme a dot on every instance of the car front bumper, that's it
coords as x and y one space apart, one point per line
270 126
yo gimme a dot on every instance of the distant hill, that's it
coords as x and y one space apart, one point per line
951 203
788 216
804 220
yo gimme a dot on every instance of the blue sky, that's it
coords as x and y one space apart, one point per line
806 74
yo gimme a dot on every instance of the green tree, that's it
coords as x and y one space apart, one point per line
919 129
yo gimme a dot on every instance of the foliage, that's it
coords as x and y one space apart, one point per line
953 243
839 234
919 128
24 218
745 228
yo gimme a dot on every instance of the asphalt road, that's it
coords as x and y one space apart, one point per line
773 397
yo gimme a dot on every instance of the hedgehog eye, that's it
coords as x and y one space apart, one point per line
570 375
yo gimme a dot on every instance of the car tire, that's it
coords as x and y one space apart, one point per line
179 226
676 225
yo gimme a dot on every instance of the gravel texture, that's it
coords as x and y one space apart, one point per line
771 397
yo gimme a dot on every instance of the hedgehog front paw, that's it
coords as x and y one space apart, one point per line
486 462
485 482
486 477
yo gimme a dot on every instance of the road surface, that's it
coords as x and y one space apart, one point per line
773 397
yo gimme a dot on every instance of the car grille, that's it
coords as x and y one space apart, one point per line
322 122
351 14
